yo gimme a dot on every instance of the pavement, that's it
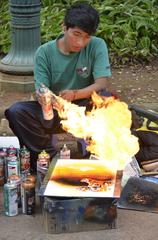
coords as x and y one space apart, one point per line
131 225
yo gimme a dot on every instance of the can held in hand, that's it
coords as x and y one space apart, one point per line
28 197
46 102
10 199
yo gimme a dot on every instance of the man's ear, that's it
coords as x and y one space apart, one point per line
63 27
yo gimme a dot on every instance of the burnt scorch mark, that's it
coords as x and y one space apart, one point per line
148 197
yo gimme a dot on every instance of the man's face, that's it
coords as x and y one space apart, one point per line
76 39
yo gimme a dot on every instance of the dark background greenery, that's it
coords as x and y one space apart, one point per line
130 27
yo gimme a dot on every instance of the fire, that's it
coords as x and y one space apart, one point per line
106 128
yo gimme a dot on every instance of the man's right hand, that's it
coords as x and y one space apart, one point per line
38 97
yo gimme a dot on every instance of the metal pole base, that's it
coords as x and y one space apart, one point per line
16 83
25 32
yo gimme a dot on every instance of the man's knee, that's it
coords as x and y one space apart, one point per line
13 111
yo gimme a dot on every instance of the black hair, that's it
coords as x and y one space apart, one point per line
83 16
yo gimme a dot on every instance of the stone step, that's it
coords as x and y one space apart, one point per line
4 128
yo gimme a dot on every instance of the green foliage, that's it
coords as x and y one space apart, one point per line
130 27
5 40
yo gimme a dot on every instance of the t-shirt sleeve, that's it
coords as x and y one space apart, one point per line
41 68
101 66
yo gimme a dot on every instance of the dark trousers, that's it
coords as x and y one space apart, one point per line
27 123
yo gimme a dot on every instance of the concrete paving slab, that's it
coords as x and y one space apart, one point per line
131 225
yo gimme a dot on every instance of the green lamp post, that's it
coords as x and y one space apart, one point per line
25 38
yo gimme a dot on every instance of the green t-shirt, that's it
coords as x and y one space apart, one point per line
74 71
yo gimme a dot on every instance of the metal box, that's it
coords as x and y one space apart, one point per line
62 215
76 214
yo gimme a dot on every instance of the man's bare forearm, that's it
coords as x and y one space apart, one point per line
100 84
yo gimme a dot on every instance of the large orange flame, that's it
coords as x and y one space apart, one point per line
106 127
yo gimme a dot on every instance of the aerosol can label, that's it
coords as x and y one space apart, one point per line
10 199
13 167
28 197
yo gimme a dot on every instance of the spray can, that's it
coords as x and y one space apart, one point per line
4 157
24 161
17 181
13 166
43 162
31 178
10 199
45 98
1 171
43 159
2 167
28 197
12 162
65 152
11 151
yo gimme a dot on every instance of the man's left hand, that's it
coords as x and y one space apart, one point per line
68 95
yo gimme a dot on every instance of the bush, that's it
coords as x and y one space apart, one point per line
130 28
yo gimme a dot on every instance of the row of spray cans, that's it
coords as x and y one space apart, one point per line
14 161
19 188
19 184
